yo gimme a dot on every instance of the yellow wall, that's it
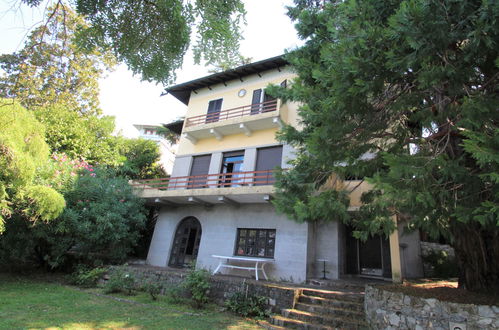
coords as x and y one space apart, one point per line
198 105
235 141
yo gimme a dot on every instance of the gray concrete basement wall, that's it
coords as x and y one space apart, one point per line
219 225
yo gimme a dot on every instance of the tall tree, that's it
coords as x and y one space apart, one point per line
51 69
405 95
23 152
152 36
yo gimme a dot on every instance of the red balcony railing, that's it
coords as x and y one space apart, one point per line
246 110
220 180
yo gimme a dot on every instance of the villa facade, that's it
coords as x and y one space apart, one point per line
218 198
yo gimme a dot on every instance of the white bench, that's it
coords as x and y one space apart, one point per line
259 264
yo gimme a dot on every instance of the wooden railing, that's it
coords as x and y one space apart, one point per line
220 180
246 110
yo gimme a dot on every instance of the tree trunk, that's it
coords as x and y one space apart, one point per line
477 254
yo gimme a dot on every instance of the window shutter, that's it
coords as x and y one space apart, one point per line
214 108
256 108
200 166
267 159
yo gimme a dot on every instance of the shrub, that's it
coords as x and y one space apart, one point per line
120 281
176 294
87 277
197 283
442 265
153 288
248 305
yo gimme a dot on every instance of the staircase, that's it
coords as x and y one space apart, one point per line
323 309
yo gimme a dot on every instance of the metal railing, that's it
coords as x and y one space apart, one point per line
246 110
219 180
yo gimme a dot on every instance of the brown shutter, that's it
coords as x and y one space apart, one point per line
267 159
257 95
214 108
200 166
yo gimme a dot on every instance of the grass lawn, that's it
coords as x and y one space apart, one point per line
38 303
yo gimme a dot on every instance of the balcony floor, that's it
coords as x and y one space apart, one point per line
209 196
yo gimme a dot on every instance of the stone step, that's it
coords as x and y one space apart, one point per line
288 323
337 303
335 294
356 313
338 285
323 320
269 326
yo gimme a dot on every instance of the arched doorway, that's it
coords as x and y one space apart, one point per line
186 243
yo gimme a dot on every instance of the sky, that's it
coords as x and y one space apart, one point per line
268 33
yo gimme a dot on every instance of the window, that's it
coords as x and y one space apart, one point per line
214 108
232 162
255 242
261 102
267 159
199 169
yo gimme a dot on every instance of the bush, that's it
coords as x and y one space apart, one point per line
153 288
87 277
120 281
176 294
442 265
198 284
248 305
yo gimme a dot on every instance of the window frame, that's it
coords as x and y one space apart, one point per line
256 245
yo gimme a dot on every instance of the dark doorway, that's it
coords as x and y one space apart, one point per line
232 163
369 258
186 243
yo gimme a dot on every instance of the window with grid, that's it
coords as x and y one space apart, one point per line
255 242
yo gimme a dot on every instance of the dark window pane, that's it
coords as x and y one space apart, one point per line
255 242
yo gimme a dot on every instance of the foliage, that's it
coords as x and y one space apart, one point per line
87 137
22 152
246 305
141 159
51 69
101 224
176 294
197 282
88 277
402 94
153 288
152 37
442 265
120 281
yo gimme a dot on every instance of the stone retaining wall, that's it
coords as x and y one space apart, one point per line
395 310
222 287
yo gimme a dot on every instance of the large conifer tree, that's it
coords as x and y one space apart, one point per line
403 94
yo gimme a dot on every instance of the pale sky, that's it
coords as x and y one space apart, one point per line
268 33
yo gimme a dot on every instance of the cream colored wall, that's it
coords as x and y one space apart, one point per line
257 138
198 105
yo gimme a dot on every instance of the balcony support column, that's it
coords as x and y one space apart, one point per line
217 134
245 129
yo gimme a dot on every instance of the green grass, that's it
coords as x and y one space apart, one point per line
37 303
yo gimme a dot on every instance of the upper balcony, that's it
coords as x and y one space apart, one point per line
244 119
208 189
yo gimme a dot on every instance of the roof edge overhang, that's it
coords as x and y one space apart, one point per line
182 92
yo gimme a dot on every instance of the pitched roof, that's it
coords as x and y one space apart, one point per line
183 91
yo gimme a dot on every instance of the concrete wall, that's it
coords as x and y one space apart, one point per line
219 228
410 253
326 247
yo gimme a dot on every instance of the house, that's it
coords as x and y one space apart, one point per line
167 150
218 198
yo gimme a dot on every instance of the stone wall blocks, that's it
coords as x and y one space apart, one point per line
423 313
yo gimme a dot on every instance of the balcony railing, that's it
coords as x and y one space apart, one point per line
246 110
220 180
